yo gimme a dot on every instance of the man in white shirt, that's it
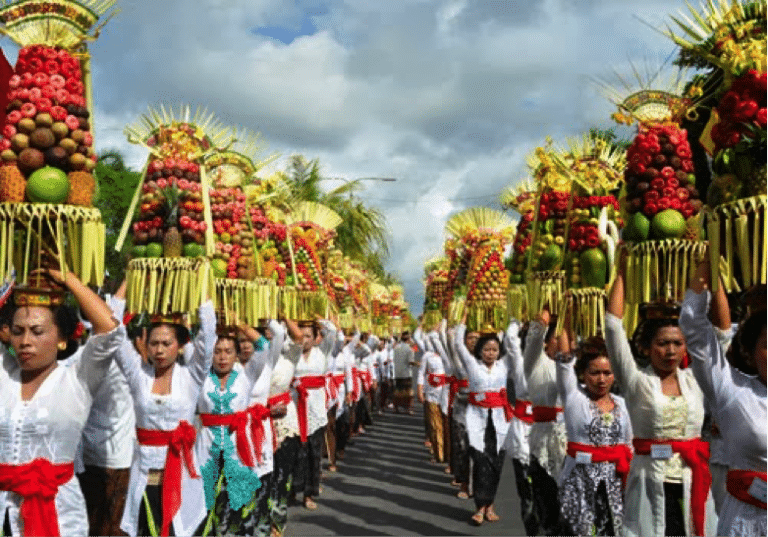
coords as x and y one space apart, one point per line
403 358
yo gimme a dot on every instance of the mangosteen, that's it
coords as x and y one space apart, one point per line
167 172
675 162
31 159
178 173
643 187
682 177
668 149
83 123
660 161
83 150
650 174
692 190
696 204
57 157
663 139
42 138
634 205
189 176
71 109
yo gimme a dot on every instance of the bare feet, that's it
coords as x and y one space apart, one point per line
309 503
332 468
490 514
462 495
448 470
477 518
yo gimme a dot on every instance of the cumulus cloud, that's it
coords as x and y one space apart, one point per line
448 96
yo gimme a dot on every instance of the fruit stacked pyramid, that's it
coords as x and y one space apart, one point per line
521 198
728 39
172 212
380 310
549 238
234 256
661 185
484 233
46 141
310 232
436 295
271 239
360 291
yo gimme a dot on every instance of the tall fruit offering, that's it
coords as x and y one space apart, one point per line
728 39
170 214
46 141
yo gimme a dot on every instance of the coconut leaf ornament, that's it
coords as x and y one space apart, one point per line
436 295
46 143
484 234
729 38
170 214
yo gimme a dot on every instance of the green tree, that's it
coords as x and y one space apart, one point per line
116 185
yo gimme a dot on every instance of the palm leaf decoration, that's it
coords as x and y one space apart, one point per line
480 220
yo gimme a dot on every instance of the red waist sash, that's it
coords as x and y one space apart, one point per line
738 484
524 410
332 387
258 414
179 442
365 378
238 424
493 400
619 454
303 385
436 380
543 414
37 483
454 385
695 453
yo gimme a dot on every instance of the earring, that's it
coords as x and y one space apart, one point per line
62 346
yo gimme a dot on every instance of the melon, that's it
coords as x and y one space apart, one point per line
48 185
594 268
551 258
637 228
668 224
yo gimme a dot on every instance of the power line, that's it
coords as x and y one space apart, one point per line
435 200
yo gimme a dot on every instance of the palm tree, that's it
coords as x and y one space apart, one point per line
363 234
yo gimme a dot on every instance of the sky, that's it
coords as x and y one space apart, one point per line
446 96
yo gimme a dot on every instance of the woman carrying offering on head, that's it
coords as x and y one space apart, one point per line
44 407
668 484
166 490
737 395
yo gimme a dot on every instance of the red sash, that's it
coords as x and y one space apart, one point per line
258 414
332 385
179 442
695 453
279 399
37 483
365 379
454 386
738 483
493 400
524 411
303 385
436 380
355 385
543 414
620 455
238 424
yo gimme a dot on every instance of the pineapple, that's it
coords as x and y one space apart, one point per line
755 184
12 184
81 189
172 237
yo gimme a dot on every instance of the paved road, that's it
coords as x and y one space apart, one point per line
387 486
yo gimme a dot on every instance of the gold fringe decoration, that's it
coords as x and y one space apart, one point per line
71 235
517 302
658 271
242 301
168 285
737 231
303 306
545 289
587 311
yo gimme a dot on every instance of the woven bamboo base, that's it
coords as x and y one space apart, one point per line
168 285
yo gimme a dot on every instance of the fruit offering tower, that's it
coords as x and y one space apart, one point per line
729 39
46 144
522 199
310 236
380 310
596 168
170 215
267 200
240 296
661 205
336 273
545 276
486 233
398 309
436 299
360 291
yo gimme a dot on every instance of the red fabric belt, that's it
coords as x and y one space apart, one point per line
303 385
238 424
37 483
543 414
279 399
695 453
493 400
524 410
355 385
258 414
179 442
365 379
620 455
738 484
437 380
332 386
454 386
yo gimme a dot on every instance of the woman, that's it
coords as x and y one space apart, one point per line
488 414
231 445
599 434
668 485
737 394
547 438
165 483
44 407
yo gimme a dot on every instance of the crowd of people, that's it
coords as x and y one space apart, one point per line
162 431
